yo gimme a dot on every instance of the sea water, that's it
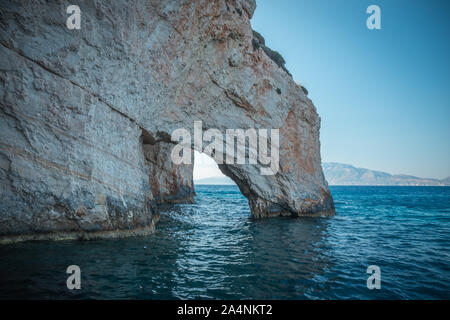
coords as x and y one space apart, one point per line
213 249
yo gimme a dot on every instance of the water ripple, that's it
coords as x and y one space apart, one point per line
214 250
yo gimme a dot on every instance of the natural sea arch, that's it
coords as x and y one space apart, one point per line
79 104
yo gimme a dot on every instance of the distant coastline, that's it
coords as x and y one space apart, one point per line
348 175
340 174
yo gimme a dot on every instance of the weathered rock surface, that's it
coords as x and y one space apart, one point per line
85 115
170 183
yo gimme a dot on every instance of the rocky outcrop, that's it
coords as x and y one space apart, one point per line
259 42
86 115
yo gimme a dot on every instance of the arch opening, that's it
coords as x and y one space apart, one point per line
207 172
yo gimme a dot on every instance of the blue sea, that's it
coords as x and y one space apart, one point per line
213 249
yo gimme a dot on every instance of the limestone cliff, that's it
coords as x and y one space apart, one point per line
86 115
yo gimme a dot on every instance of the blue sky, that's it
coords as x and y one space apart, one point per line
383 95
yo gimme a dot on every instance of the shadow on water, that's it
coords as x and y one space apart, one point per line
289 258
224 253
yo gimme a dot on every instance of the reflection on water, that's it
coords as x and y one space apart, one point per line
213 249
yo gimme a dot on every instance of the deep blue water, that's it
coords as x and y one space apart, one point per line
214 250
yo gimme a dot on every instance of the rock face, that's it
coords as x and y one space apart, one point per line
170 183
86 115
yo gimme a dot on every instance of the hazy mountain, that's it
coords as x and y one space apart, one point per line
348 175
345 174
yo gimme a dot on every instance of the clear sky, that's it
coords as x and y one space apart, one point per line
383 95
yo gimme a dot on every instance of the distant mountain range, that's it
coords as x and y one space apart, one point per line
348 175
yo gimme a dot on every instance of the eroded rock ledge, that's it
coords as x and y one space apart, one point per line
85 114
